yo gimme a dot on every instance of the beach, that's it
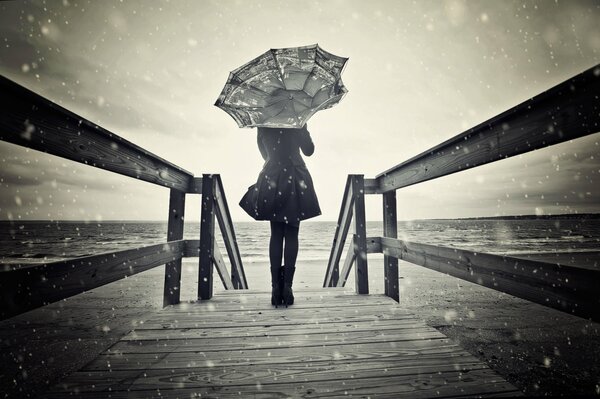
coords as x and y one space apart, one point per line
540 350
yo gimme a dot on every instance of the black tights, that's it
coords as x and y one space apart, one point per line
279 232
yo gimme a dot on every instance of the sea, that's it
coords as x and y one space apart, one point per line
31 242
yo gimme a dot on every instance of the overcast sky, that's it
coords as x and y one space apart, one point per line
418 73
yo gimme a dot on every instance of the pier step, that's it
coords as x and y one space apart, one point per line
331 343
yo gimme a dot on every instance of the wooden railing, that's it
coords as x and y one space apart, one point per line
565 112
29 120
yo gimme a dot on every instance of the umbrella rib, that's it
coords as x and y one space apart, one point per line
278 70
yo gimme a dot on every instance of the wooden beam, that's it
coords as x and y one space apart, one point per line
371 186
195 186
565 112
569 289
28 287
30 120
350 258
238 276
339 239
221 267
207 238
171 293
390 230
360 238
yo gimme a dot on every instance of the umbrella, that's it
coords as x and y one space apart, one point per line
283 87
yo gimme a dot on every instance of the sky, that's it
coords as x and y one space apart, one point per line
418 73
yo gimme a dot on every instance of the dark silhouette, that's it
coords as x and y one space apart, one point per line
283 194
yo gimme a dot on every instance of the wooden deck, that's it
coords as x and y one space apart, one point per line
331 343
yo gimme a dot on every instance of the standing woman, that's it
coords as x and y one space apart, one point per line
283 194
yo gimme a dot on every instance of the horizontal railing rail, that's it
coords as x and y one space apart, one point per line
567 111
26 287
30 120
569 289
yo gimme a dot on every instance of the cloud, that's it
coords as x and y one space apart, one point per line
419 73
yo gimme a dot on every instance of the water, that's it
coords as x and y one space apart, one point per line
37 242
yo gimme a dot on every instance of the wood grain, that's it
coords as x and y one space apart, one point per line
29 287
30 120
348 263
565 112
171 292
569 289
221 267
339 239
361 278
238 276
390 230
374 348
207 238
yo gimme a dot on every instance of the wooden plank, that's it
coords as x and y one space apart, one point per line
221 267
207 238
266 322
475 382
29 287
368 351
326 353
360 229
172 287
339 239
350 259
232 303
238 276
321 291
30 120
565 112
390 230
444 385
569 289
195 186
273 316
94 381
262 341
371 186
274 331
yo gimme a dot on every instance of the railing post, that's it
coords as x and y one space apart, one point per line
238 276
207 237
171 293
360 230
339 239
390 229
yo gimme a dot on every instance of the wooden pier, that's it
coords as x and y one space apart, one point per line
331 343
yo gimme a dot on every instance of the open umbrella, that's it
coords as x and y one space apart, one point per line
283 87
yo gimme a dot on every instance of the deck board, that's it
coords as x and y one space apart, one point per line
332 343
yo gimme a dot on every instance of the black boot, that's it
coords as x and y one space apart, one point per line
276 286
288 279
281 284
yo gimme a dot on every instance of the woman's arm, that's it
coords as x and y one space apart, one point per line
306 144
261 145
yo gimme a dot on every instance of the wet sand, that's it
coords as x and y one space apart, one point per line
540 350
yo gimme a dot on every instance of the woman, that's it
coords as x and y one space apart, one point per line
283 194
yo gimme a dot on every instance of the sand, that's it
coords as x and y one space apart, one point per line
540 350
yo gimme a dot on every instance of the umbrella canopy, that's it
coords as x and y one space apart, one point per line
283 87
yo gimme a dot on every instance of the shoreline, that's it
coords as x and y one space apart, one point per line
540 350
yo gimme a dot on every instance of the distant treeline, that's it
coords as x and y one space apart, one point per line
570 216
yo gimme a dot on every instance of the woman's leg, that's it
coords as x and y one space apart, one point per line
276 243
291 245
275 253
289 255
